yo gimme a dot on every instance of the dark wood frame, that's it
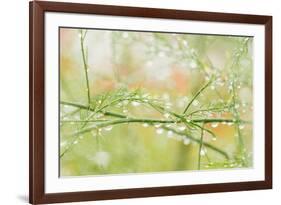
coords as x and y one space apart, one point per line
37 194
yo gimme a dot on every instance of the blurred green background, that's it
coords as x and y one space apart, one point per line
128 70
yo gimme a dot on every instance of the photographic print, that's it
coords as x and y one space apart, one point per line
149 102
130 102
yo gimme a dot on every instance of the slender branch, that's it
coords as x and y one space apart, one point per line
209 109
92 109
196 95
241 146
122 121
203 128
210 146
124 116
219 120
200 147
85 64
126 120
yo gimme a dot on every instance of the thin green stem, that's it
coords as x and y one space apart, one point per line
196 95
121 121
92 109
124 119
200 147
203 128
241 146
209 109
124 116
210 146
85 64
218 120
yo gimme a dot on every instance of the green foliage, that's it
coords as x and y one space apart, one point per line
126 108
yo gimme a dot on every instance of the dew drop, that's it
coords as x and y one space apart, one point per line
237 106
75 142
63 144
213 87
185 43
135 104
167 115
186 141
214 138
165 96
185 99
125 111
125 102
170 134
182 128
108 128
102 158
241 127
229 123
119 104
193 64
195 103
159 131
202 152
157 125
214 125
168 105
145 125
99 115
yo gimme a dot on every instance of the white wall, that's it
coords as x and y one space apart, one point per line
14 100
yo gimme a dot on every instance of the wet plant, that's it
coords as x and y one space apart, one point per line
191 123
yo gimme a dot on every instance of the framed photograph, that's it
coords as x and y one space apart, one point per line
139 102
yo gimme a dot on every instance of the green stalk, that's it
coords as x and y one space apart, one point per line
124 116
124 119
92 109
241 146
200 148
82 38
210 146
132 120
196 95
